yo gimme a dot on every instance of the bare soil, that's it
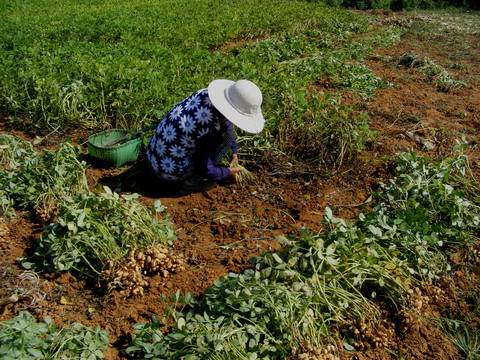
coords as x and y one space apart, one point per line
219 230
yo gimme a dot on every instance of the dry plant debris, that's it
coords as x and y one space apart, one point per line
27 286
244 177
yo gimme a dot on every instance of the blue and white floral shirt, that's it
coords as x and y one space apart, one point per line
186 139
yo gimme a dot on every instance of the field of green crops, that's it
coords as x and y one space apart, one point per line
89 63
69 64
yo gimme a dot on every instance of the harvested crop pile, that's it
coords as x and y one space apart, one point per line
131 277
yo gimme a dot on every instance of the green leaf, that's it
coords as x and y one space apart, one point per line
36 353
191 357
330 250
277 258
332 261
92 346
27 265
328 213
158 206
347 344
104 338
375 230
89 338
156 338
176 336
80 221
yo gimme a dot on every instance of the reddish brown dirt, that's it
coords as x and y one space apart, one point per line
219 230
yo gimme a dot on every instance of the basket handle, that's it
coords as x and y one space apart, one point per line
129 136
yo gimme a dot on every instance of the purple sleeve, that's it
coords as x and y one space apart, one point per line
205 155
207 147
216 173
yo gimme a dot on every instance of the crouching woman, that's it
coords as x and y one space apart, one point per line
196 134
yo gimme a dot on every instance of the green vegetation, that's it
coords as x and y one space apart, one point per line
94 232
69 64
23 338
408 5
464 338
38 181
91 230
127 63
326 133
438 75
298 294
86 64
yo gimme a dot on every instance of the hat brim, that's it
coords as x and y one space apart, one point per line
216 93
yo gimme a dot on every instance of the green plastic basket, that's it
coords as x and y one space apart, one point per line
116 155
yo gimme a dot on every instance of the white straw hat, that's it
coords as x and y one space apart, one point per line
240 102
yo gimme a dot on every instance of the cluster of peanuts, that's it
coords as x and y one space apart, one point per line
409 322
46 214
371 335
131 276
4 230
420 302
309 352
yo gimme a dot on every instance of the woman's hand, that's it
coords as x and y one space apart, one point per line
234 168
234 161
234 171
